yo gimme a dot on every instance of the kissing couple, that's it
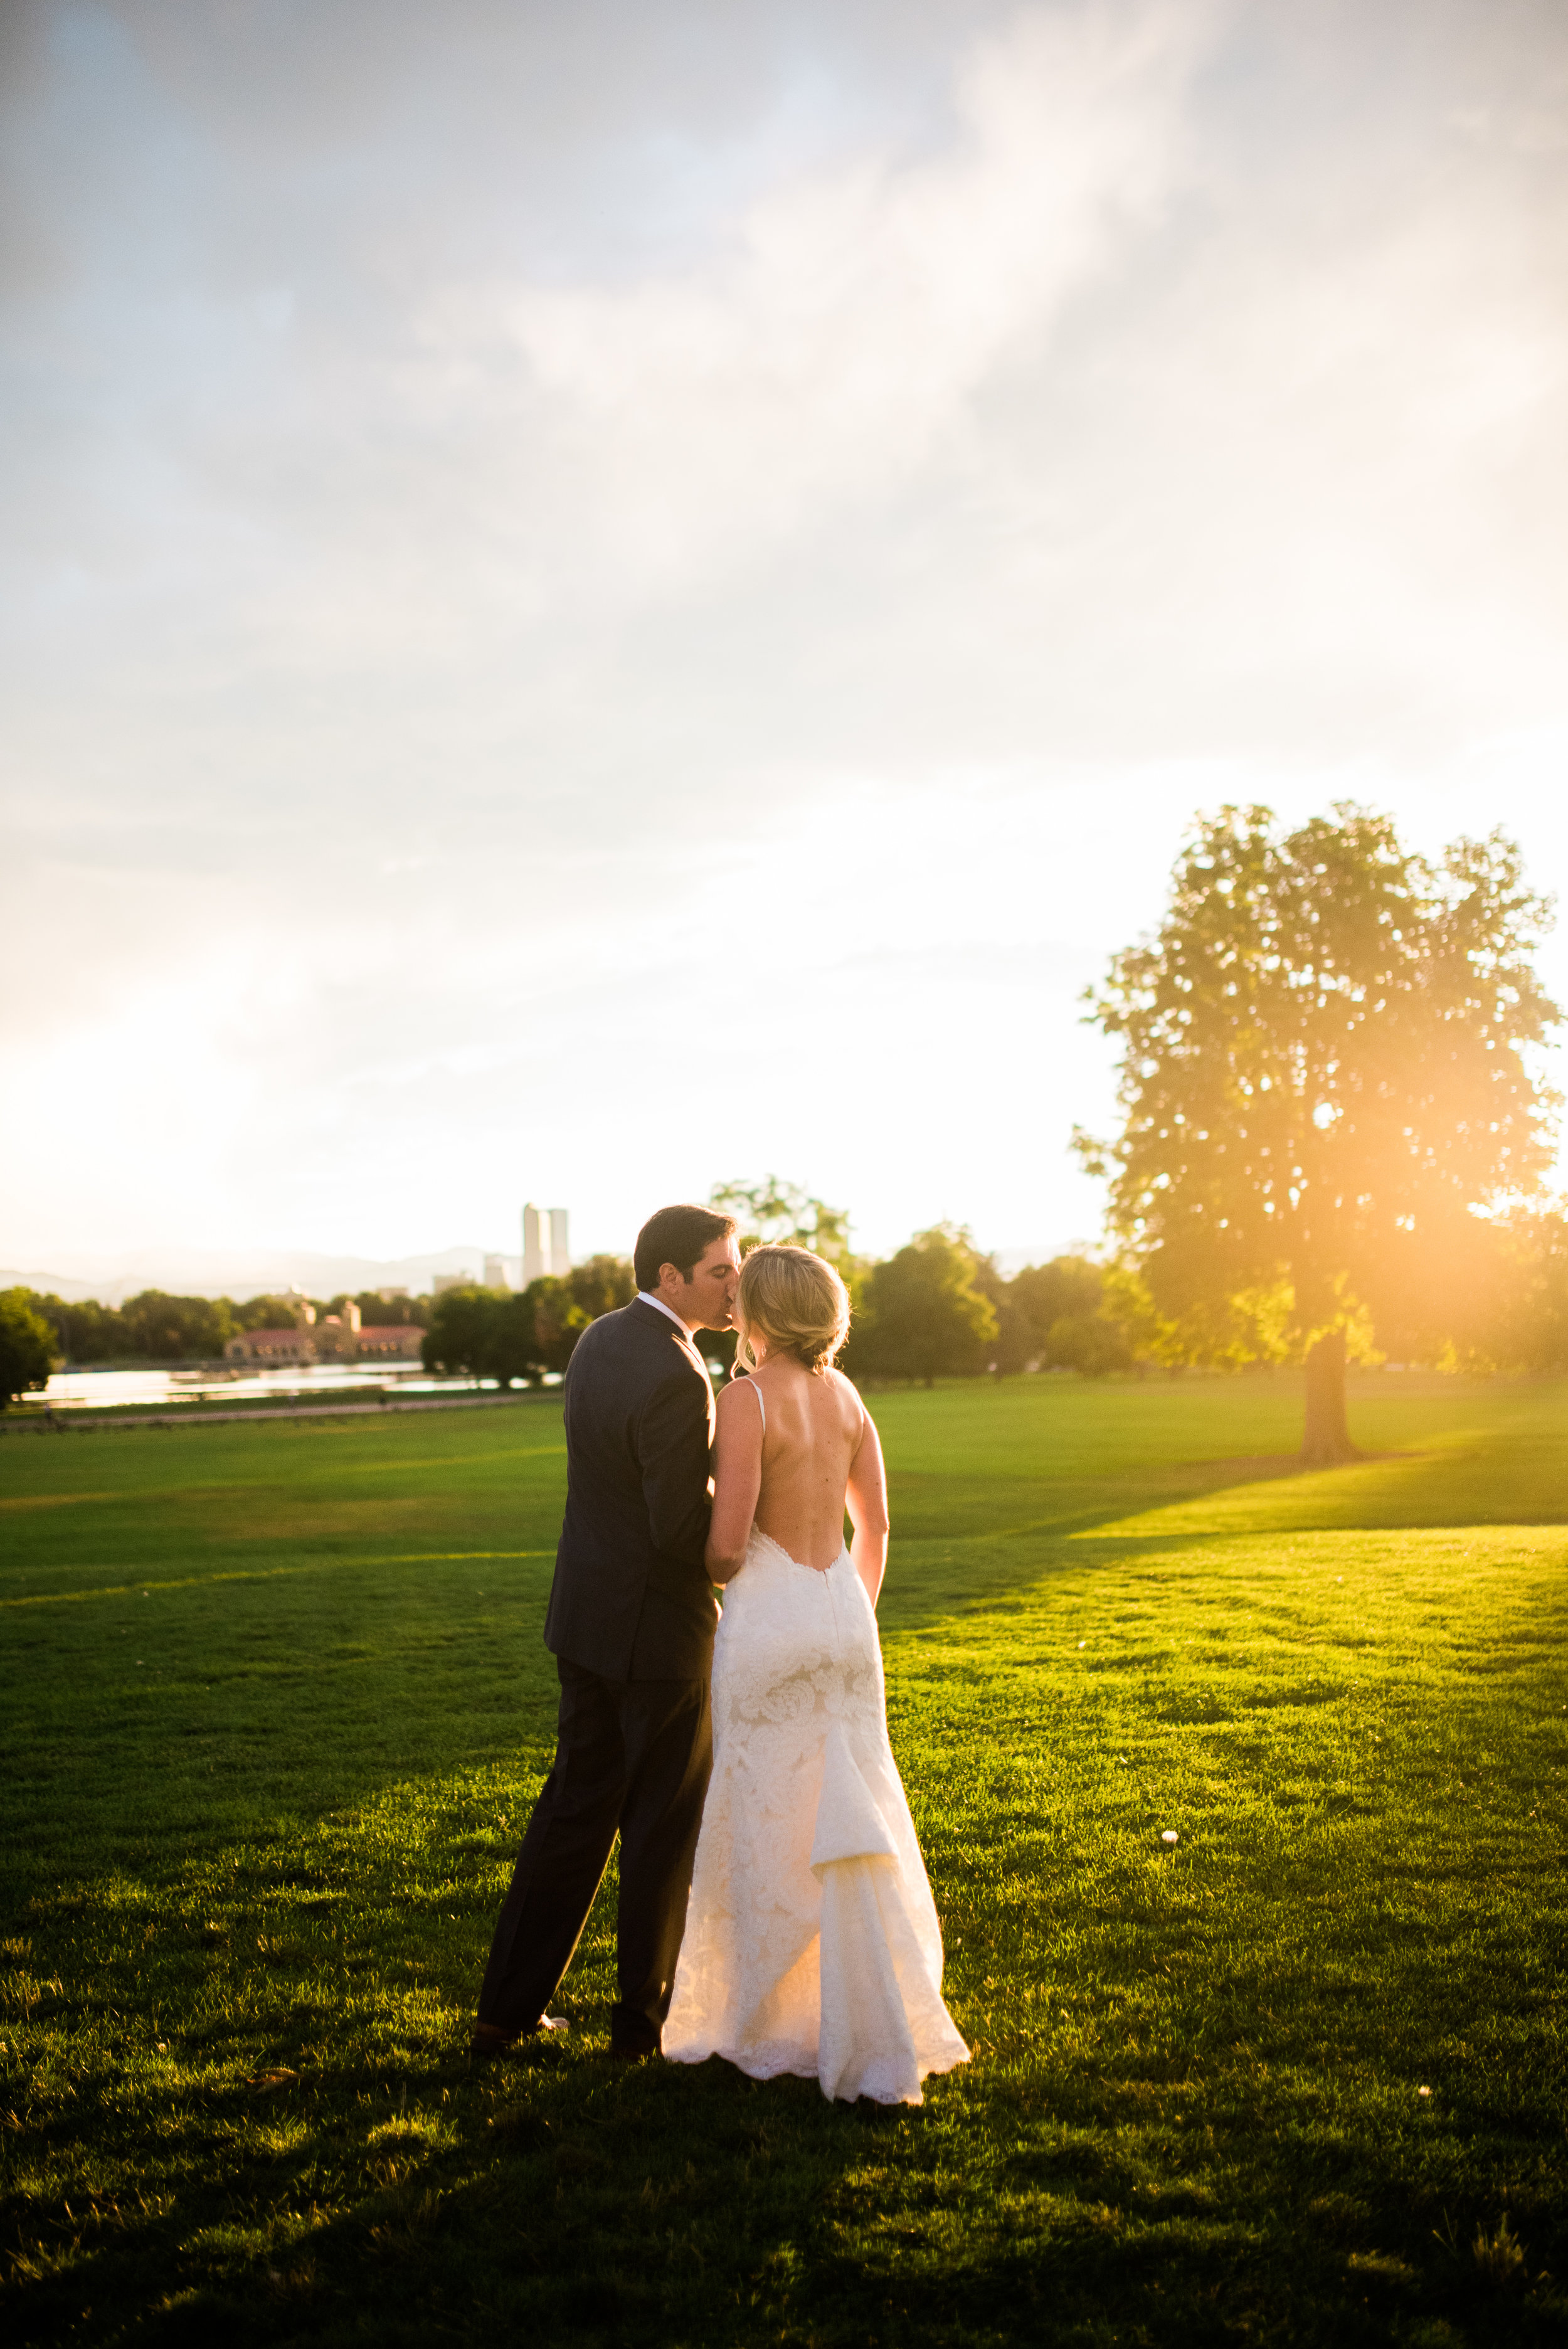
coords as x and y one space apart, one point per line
774 1907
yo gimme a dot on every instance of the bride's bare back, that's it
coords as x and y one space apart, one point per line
794 1448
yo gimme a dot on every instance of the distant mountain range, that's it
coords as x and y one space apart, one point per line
243 1272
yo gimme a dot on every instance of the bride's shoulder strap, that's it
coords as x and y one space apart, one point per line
761 1406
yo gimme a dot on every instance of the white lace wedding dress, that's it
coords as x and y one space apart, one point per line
811 1940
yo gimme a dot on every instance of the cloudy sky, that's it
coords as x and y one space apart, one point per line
598 598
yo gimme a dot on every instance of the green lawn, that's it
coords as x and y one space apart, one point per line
273 1709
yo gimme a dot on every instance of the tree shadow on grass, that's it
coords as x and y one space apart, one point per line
931 1578
152 1727
1188 1505
142 1731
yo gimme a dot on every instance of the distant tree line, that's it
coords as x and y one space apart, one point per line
155 1327
1495 1299
938 1308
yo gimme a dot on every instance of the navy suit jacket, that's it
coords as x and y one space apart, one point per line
632 1598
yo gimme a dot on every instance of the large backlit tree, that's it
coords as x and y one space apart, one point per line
1326 1074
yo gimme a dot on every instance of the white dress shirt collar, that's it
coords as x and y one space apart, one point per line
646 1296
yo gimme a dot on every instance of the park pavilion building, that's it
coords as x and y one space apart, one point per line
337 1338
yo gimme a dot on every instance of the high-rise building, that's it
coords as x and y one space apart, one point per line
546 1251
495 1273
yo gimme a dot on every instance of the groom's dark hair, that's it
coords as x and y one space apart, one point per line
677 1236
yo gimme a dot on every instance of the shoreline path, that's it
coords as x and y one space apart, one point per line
60 1421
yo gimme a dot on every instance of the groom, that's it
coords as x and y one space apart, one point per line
631 1625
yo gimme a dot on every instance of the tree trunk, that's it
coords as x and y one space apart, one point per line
1326 1439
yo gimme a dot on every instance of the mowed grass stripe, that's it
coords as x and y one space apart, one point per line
270 1574
205 1488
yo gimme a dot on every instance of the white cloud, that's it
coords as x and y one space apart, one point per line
835 340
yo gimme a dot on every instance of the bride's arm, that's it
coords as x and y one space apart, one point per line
867 1502
737 1480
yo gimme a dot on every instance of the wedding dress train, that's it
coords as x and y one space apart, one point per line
811 1942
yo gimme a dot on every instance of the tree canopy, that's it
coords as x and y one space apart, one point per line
1071 1308
924 1314
459 1321
1325 1074
176 1328
602 1284
493 1333
26 1347
85 1332
776 1211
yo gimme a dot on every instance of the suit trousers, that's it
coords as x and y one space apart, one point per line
633 1756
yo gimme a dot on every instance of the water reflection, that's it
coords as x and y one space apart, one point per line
157 1390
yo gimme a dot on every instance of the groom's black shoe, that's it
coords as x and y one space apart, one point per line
488 2043
624 2049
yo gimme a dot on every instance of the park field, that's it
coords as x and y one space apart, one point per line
275 1705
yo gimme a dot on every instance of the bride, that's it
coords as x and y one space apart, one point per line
811 1942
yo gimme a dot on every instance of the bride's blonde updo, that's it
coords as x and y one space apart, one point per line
796 1300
